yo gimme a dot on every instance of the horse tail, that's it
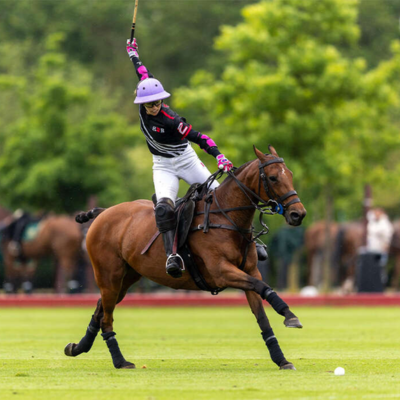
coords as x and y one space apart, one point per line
83 217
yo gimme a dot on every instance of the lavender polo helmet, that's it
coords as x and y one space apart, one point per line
149 90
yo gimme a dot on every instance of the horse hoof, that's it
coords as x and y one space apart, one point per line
293 323
127 365
68 351
288 366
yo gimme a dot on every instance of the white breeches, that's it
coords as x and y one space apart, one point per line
168 171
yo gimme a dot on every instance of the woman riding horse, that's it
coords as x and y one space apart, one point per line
226 255
168 136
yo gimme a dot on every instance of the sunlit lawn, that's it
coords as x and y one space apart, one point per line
201 353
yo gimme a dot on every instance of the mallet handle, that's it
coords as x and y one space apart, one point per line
134 20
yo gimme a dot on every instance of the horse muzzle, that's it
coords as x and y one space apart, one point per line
295 215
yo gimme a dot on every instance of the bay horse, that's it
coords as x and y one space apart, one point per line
117 236
314 242
346 239
59 237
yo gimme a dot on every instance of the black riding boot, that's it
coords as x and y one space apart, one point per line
173 265
166 223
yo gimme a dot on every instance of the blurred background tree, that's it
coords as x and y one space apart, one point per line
317 89
287 82
69 126
67 144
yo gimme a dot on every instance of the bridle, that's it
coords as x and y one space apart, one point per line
280 207
274 205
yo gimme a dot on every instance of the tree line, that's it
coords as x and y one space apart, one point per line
318 79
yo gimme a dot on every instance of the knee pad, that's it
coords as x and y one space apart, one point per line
165 215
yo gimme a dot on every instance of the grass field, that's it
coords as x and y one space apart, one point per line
201 353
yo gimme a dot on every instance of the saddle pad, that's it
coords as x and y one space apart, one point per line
184 222
31 231
185 216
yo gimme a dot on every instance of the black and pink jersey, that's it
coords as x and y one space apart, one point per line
168 134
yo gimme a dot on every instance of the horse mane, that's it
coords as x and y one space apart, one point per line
239 170
235 173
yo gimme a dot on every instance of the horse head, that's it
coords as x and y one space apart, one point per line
276 183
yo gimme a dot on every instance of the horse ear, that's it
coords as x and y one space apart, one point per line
272 151
258 153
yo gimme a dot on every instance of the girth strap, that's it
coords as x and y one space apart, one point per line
227 210
219 226
194 271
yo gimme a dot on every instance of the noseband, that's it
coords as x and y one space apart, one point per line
280 208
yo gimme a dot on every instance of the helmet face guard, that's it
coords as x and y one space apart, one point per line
150 90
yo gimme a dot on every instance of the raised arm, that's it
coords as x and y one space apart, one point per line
133 53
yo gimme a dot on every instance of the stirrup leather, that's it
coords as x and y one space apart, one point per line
176 255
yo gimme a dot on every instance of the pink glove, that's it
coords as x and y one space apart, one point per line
224 163
132 48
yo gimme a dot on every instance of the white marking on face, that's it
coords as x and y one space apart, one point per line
283 171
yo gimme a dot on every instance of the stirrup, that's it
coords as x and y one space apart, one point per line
178 256
173 268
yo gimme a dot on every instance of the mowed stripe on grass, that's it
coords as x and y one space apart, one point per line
201 353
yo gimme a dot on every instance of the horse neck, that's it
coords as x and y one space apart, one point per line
229 195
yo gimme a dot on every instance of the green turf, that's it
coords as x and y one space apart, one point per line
201 353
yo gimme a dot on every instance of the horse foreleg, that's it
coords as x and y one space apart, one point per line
396 274
255 303
233 277
11 272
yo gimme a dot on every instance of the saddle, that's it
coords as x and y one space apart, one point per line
22 229
28 229
184 210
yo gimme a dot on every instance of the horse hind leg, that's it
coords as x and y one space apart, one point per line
109 298
85 344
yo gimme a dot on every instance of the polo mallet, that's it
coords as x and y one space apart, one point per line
134 20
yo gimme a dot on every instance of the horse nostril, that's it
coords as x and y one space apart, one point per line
295 216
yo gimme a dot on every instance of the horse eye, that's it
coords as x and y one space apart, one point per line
273 178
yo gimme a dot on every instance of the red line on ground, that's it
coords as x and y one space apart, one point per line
197 300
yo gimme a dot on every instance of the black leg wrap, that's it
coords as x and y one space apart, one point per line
112 344
276 302
260 287
273 347
87 341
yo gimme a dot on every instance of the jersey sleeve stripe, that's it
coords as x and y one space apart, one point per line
187 133
168 116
